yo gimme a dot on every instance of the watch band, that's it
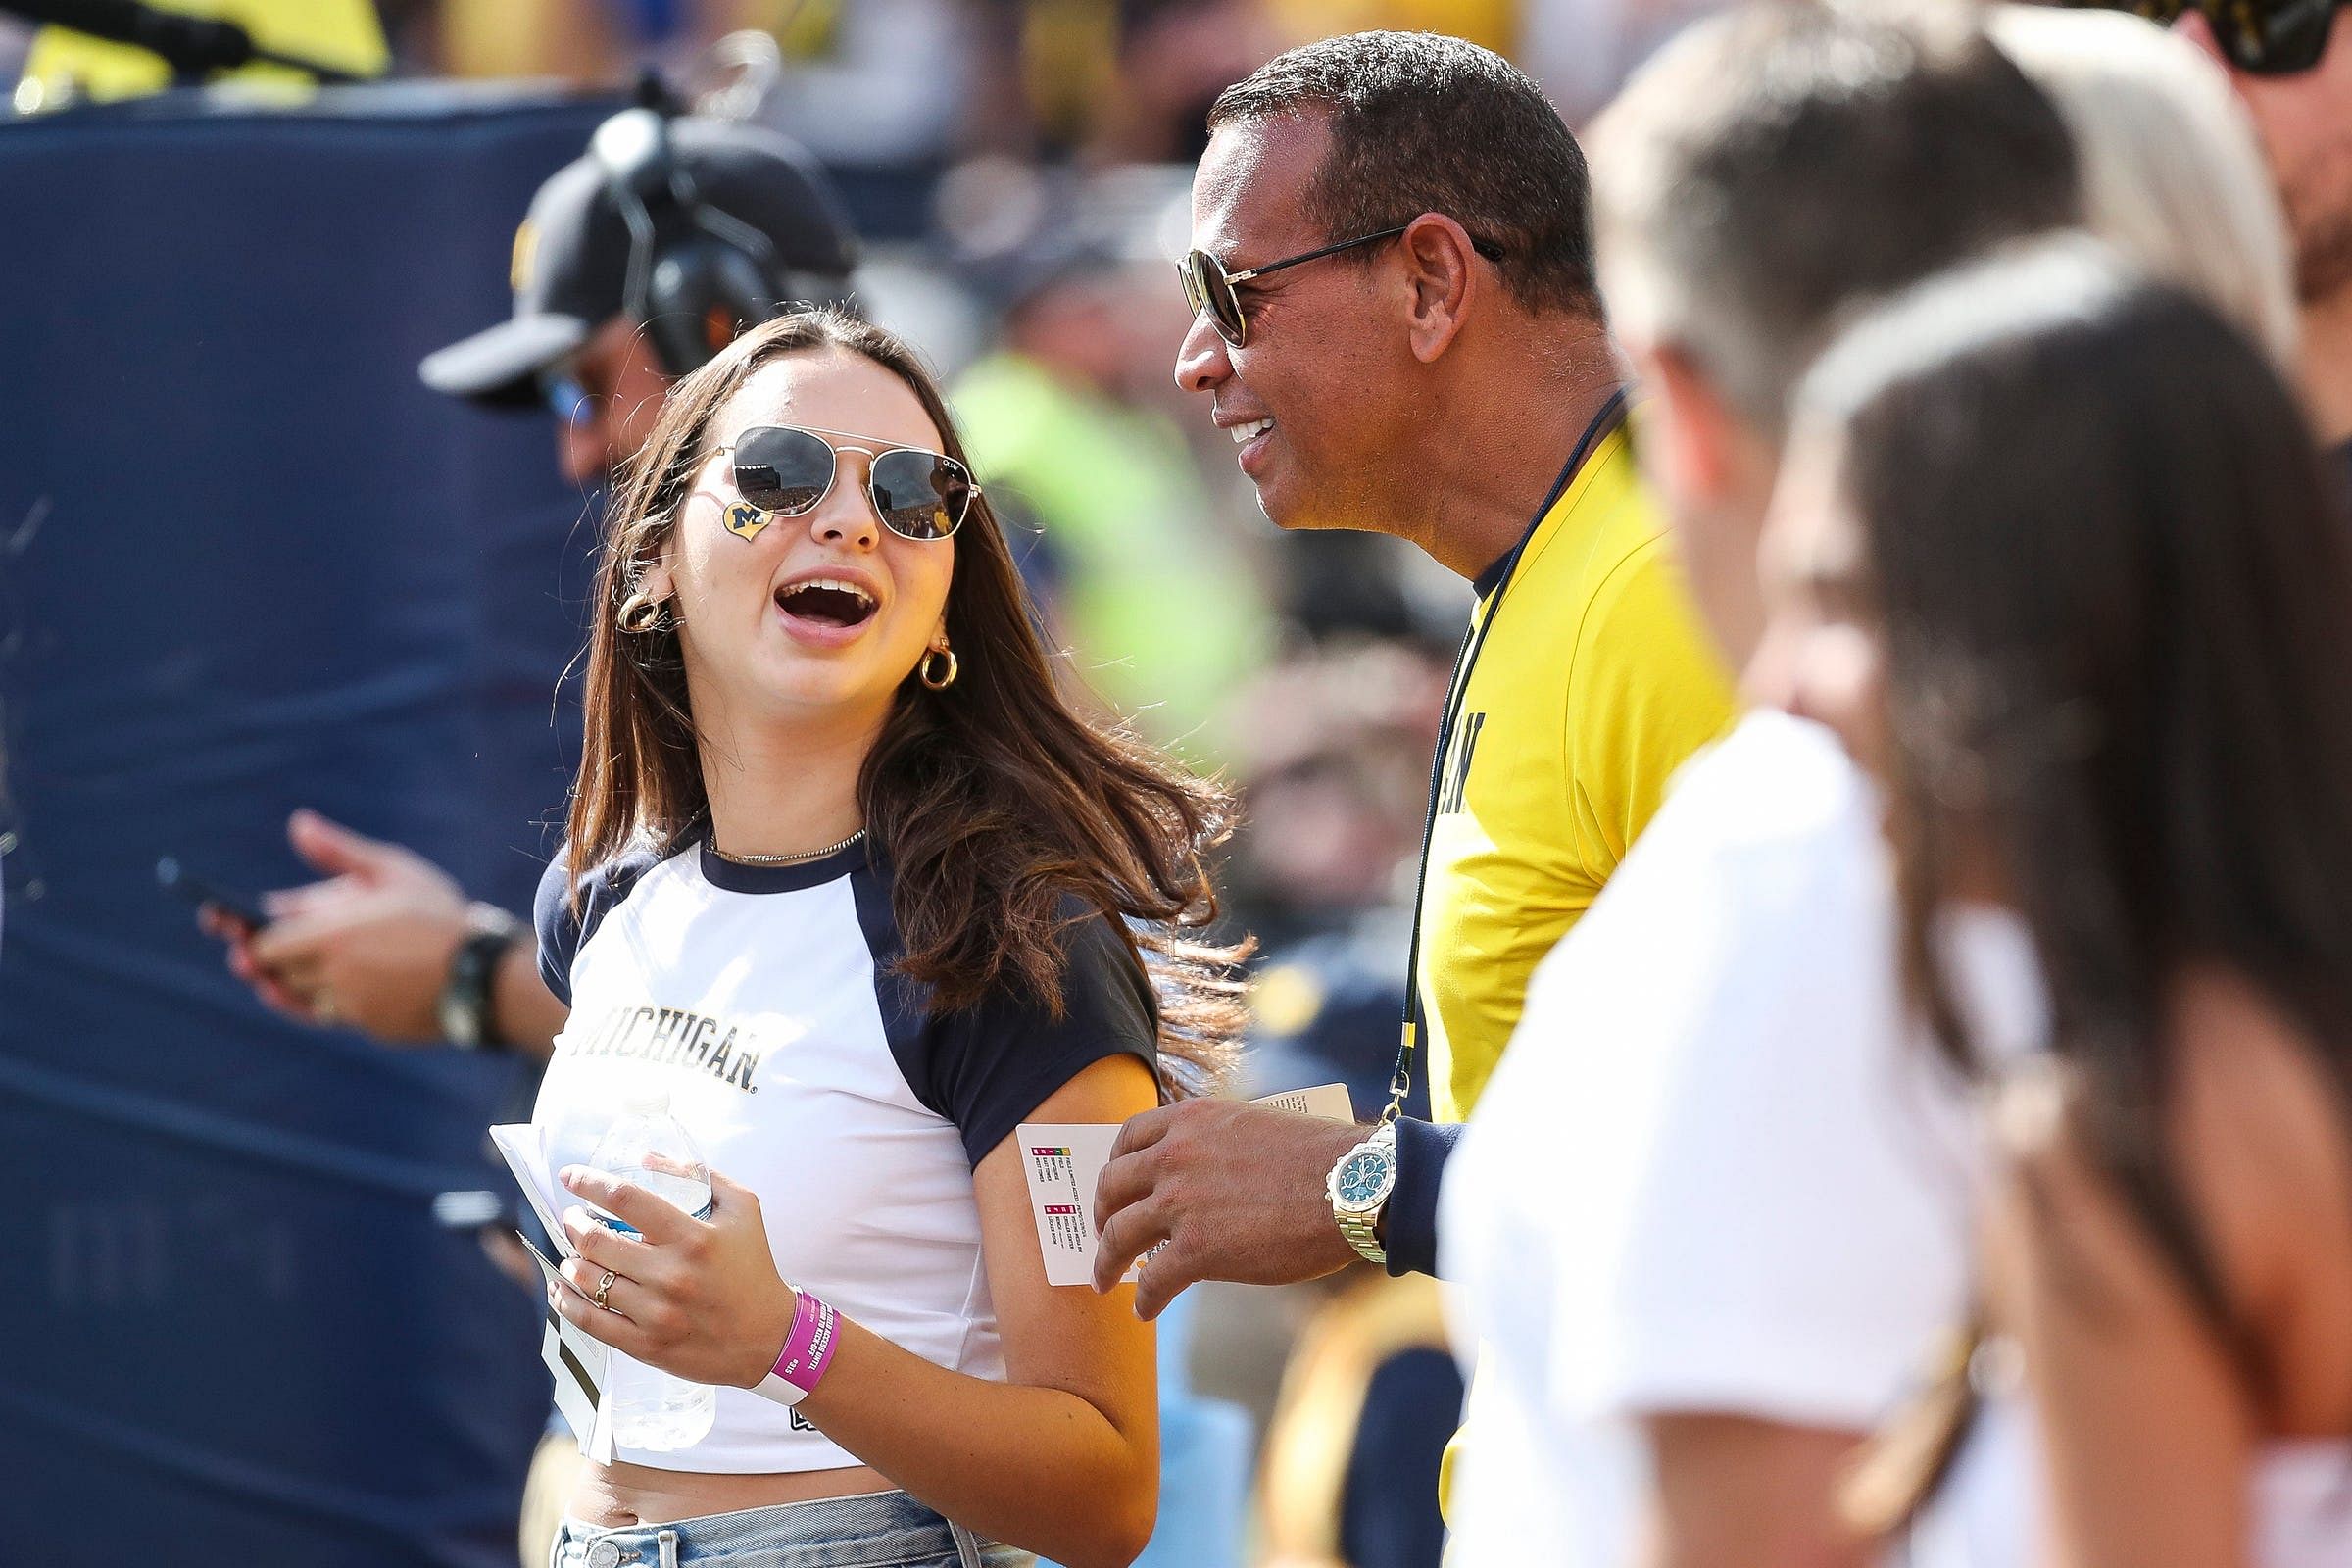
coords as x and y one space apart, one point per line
465 1008
1364 1234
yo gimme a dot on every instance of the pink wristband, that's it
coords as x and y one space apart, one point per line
807 1351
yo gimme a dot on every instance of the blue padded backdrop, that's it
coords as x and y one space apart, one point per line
247 563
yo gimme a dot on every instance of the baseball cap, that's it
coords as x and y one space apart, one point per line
571 254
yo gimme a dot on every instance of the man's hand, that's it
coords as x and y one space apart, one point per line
1236 1191
369 947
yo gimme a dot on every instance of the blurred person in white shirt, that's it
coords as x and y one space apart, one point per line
1712 1226
1757 1190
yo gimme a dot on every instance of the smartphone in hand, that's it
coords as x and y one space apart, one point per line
176 880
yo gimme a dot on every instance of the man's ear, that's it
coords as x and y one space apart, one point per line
1442 270
1691 439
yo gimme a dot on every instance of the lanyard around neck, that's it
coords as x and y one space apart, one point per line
1457 690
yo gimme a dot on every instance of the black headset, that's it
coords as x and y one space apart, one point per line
696 275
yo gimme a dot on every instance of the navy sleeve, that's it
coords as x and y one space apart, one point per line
1388 1505
993 1064
561 933
558 929
1410 1224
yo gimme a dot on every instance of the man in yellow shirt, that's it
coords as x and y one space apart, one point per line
1397 322
1588 688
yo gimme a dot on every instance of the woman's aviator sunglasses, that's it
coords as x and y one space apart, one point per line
1207 287
788 469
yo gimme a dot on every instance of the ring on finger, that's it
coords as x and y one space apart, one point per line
604 1287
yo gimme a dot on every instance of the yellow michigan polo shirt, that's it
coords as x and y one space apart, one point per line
1588 681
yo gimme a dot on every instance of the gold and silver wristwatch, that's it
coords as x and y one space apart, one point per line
1359 1186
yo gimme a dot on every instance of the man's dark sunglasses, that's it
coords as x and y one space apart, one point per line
1207 287
2262 37
789 470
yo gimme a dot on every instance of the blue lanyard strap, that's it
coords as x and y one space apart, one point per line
1457 689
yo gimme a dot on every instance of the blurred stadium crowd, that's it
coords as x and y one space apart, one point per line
1019 175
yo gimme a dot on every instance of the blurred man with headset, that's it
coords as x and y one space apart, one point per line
636 263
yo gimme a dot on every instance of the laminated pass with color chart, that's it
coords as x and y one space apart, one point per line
1064 1161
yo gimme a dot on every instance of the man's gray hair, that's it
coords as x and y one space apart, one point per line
1780 164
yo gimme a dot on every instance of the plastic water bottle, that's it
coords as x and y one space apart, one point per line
646 1147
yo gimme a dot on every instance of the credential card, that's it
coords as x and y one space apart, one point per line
1064 1161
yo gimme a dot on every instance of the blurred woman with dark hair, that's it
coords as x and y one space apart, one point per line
2056 555
853 884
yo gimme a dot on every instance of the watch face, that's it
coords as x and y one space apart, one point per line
1363 1179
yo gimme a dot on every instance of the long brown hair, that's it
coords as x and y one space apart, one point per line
993 801
2114 576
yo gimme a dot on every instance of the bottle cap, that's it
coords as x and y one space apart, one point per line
644 1097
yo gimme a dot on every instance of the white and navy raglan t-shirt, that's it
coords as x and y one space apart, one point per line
767 1001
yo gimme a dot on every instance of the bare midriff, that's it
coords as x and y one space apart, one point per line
614 1497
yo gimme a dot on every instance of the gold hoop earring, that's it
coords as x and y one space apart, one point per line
927 669
639 613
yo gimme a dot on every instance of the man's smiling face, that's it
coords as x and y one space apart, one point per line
1320 397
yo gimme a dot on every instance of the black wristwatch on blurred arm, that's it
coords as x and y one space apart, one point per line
467 996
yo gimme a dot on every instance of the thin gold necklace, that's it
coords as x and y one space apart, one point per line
787 860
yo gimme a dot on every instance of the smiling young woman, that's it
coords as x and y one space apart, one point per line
851 882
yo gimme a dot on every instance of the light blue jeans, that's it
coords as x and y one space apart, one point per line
879 1529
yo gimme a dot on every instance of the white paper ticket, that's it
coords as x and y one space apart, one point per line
1064 1161
1327 1101
582 1366
520 1144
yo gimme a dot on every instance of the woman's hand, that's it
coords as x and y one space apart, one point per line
701 1299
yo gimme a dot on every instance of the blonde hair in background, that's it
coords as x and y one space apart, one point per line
2171 174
